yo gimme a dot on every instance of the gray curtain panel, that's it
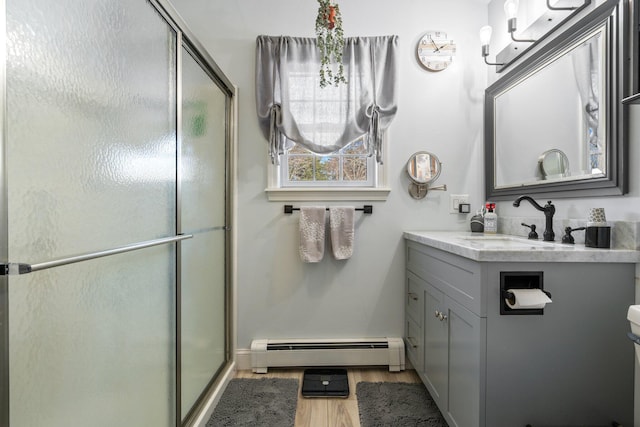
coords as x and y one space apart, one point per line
293 108
588 75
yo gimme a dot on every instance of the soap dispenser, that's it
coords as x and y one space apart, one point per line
477 222
490 219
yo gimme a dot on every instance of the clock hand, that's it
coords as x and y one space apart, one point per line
434 44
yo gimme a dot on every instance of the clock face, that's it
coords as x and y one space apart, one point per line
435 50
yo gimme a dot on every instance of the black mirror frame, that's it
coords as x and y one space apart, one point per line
617 67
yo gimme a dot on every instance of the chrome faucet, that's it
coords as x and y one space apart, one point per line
548 209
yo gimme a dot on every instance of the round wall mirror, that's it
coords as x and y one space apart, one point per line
423 167
553 164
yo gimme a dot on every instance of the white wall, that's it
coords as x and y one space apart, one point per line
278 296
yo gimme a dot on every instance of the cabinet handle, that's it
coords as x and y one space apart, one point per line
413 296
438 314
442 317
412 342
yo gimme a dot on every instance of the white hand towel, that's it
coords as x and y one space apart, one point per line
312 226
342 232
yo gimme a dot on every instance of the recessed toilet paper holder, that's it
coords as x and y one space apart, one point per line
520 280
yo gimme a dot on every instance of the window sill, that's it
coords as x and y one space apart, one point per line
327 194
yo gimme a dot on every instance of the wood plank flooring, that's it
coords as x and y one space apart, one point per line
333 412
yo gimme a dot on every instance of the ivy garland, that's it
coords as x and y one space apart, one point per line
330 39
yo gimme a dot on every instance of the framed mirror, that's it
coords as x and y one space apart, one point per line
560 107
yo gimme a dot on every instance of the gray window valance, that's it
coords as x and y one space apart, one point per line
293 108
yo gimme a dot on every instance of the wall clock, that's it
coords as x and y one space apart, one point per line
435 50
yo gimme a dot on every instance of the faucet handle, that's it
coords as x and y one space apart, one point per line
532 234
568 238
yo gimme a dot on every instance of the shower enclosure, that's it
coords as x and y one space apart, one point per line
114 215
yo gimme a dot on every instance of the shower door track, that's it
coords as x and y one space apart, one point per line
21 268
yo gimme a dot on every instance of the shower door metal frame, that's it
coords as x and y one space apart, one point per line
184 38
197 55
187 40
4 226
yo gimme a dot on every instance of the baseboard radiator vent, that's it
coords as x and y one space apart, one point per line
267 353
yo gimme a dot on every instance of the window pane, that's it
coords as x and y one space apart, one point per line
355 168
300 168
356 147
327 168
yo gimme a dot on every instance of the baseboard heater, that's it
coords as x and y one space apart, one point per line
266 353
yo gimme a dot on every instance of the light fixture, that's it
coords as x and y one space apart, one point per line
544 25
511 10
551 7
485 38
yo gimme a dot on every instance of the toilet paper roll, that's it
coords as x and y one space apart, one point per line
528 298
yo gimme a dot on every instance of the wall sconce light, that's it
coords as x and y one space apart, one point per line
551 7
558 12
511 10
485 39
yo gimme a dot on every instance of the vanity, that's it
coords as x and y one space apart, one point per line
569 363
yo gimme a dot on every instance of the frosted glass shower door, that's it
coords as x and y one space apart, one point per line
203 183
91 165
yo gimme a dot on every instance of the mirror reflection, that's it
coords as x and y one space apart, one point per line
556 109
423 167
553 164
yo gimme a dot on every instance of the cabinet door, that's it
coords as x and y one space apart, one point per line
465 357
435 345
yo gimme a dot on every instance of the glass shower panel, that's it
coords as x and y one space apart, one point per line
90 343
203 190
91 107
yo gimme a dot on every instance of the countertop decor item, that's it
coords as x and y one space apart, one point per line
596 218
330 39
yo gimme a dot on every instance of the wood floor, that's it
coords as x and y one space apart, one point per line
334 412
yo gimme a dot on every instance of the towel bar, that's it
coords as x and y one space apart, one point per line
367 209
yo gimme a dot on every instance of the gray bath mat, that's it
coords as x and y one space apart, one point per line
397 404
266 402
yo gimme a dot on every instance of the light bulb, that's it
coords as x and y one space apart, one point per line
485 35
511 8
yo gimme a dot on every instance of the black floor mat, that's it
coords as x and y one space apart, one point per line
325 383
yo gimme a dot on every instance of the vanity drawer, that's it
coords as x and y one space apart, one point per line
414 344
415 298
459 278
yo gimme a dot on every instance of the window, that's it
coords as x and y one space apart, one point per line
325 143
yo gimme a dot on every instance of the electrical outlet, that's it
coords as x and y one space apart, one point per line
455 200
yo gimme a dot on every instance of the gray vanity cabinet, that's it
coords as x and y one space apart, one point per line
447 349
570 365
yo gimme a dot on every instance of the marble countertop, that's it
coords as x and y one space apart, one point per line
507 248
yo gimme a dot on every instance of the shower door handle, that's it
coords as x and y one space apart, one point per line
21 268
